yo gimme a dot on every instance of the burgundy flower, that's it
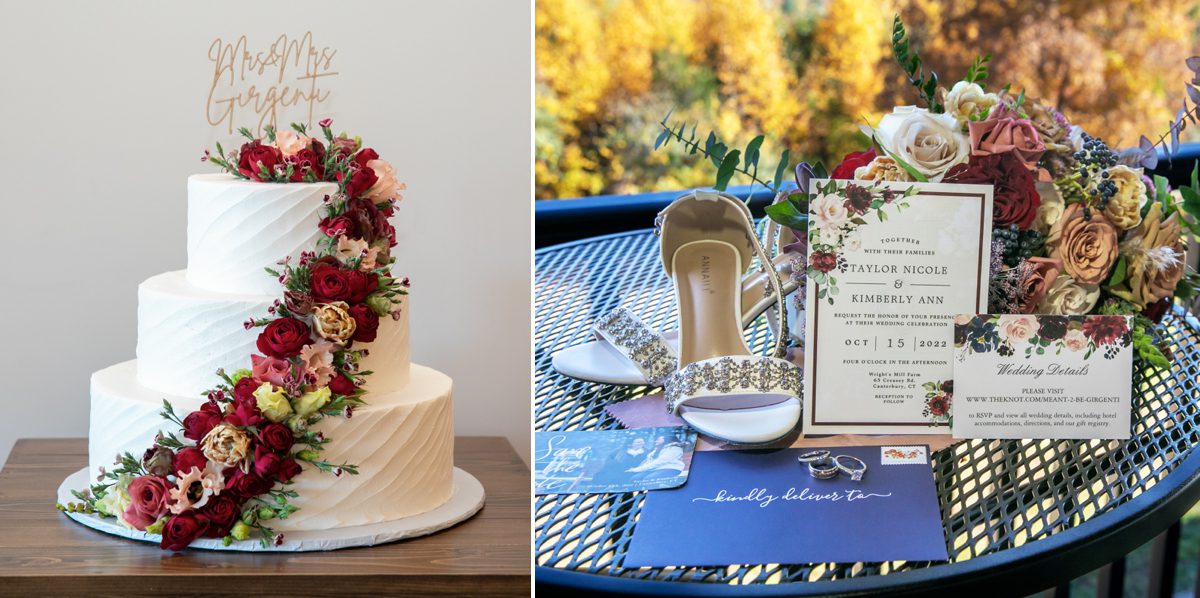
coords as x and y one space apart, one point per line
362 177
288 469
244 389
1015 198
254 153
1155 311
266 463
283 338
341 385
1105 330
245 485
199 422
304 162
245 404
361 284
148 496
939 405
1052 328
823 261
366 323
181 530
858 199
297 302
851 162
329 283
187 458
222 512
157 460
277 437
338 226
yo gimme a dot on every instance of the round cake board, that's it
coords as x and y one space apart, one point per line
466 500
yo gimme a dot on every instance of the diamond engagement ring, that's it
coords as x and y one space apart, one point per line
811 456
823 468
855 473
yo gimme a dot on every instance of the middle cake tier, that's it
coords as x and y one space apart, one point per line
186 333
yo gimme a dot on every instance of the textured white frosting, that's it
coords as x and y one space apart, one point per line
403 443
237 227
185 333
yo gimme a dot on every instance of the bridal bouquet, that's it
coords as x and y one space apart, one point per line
1078 227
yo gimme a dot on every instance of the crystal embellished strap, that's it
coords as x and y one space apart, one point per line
643 346
742 374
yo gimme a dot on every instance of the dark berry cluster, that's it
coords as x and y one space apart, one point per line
1018 244
1094 160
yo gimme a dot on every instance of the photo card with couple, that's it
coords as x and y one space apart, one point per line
612 460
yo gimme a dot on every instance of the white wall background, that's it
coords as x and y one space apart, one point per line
102 114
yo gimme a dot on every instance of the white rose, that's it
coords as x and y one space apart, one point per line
1069 298
1075 340
930 143
1016 328
1050 210
966 99
829 212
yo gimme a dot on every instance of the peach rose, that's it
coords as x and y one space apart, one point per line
1087 248
386 186
1016 328
1075 340
290 142
1125 207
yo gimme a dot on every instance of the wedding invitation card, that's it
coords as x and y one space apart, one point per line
889 266
612 460
1042 376
743 507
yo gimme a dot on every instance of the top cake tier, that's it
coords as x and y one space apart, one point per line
237 227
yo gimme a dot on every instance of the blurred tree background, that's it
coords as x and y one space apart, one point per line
806 72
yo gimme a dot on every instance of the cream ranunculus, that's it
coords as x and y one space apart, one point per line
226 445
1125 207
333 321
829 212
273 403
882 168
967 99
1069 298
1050 209
310 402
930 143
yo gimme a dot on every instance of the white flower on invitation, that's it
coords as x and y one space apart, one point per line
852 242
930 143
829 213
1016 328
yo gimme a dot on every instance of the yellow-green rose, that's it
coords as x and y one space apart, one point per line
310 402
240 531
1124 208
273 403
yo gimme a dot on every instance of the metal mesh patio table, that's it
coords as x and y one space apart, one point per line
1019 515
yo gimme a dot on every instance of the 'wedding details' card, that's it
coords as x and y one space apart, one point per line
765 507
1042 376
889 265
612 460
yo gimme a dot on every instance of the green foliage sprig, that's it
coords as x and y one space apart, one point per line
728 162
978 71
910 61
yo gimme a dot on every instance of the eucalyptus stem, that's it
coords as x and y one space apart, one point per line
695 147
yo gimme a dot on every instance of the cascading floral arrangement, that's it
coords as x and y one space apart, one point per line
1078 227
226 473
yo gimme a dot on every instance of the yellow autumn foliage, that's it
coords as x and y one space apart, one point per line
806 72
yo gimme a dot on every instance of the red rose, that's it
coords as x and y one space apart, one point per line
266 463
329 284
336 227
342 385
245 411
362 177
255 153
245 485
148 497
1015 199
305 161
852 162
361 284
199 422
823 261
283 338
288 469
362 214
187 458
222 512
180 530
366 323
1105 330
244 389
277 437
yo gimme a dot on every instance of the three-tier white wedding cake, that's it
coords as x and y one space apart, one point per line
190 324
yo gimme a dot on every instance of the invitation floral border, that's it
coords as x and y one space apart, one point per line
939 397
1006 334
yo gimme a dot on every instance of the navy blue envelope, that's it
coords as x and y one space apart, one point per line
753 507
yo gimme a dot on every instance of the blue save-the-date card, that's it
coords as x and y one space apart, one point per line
750 507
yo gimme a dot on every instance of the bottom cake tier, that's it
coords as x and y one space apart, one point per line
402 443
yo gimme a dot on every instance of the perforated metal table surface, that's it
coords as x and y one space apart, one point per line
1019 516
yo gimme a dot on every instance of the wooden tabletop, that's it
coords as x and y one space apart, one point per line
42 552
